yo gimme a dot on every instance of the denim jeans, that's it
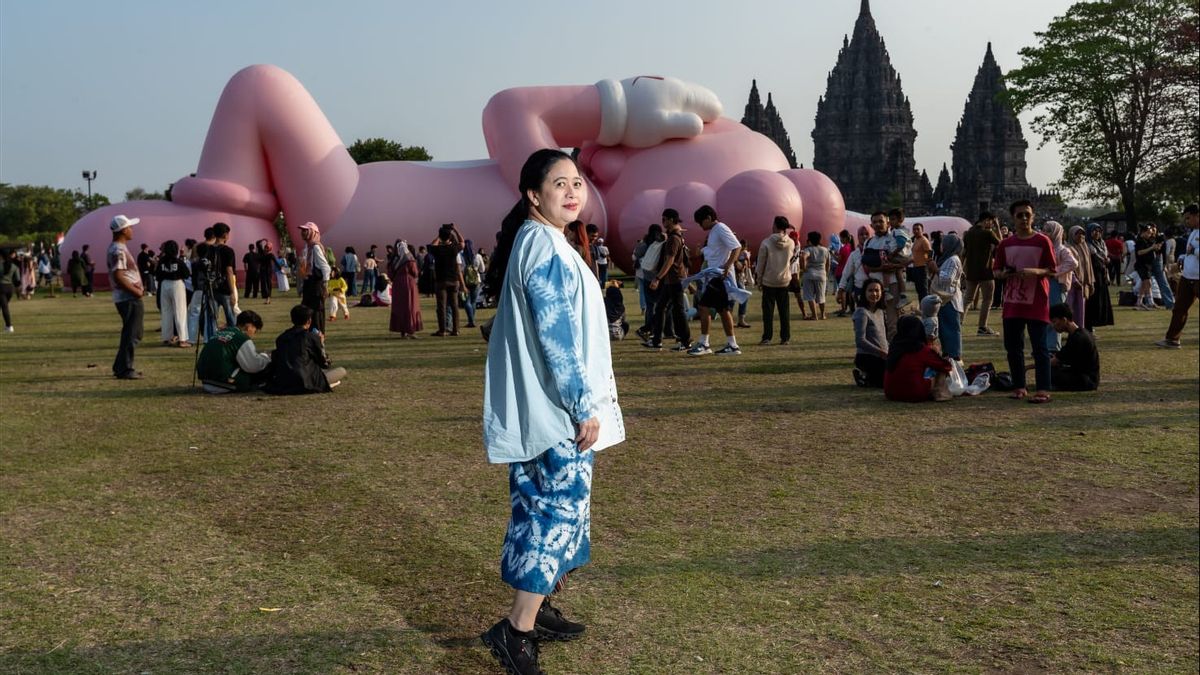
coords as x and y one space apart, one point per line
669 306
1058 294
1164 289
369 277
193 318
226 304
469 305
950 331
1014 344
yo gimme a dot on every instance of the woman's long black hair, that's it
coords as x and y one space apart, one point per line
533 174
910 337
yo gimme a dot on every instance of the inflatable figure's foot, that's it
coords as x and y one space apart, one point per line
160 221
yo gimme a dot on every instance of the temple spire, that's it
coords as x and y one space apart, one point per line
865 9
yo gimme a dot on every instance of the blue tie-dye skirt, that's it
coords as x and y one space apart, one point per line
550 530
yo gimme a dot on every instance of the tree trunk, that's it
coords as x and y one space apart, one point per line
1130 209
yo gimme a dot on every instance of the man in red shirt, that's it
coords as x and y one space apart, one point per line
1116 254
1025 261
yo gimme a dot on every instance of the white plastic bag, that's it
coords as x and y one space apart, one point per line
957 379
980 385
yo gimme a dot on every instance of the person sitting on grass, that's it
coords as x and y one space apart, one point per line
299 364
230 362
1076 366
870 336
915 370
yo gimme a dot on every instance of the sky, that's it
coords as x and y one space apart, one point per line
127 87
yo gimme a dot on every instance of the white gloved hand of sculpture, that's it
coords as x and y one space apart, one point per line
640 112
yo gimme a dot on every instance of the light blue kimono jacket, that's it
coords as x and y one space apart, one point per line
549 364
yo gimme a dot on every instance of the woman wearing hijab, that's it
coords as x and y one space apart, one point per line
406 299
1098 311
947 285
549 402
909 359
1064 274
1084 282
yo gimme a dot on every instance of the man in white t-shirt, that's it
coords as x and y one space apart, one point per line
1189 280
720 252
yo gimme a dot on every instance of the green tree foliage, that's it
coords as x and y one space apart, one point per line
383 150
1117 84
28 209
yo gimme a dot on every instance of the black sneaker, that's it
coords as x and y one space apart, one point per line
682 347
653 346
552 626
517 652
859 378
728 350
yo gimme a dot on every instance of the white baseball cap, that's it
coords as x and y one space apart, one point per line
121 222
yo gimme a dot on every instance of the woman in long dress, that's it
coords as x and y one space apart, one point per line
406 301
1098 309
549 402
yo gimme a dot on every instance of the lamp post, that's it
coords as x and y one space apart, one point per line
89 176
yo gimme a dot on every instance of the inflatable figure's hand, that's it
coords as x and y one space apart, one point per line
641 112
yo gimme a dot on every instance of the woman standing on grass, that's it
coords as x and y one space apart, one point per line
406 301
1098 308
549 402
947 285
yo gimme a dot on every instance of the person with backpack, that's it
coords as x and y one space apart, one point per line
472 277
647 267
666 285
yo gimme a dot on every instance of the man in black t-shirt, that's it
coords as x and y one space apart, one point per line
1076 367
145 263
447 275
250 264
225 289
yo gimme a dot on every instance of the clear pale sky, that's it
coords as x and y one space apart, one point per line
127 87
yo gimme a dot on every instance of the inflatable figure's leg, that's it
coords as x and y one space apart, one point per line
270 145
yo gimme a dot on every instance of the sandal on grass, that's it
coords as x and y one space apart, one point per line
1019 394
1040 398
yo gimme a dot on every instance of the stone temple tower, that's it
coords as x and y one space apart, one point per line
863 138
988 153
767 122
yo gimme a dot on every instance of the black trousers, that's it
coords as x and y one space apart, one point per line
776 298
872 367
920 278
668 302
6 294
131 312
1065 380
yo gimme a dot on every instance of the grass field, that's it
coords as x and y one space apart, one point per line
764 515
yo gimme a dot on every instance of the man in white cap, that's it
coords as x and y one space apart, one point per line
127 294
314 274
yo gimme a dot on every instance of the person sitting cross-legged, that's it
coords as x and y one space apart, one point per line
230 362
1076 366
299 364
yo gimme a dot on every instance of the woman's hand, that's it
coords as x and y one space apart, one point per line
588 431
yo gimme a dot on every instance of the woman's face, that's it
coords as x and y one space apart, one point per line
1078 238
1097 234
874 294
561 197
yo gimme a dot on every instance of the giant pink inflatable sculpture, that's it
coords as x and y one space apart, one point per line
647 143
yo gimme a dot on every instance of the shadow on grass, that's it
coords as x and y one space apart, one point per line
299 652
892 555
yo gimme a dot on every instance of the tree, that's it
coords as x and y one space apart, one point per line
85 204
138 193
28 209
1117 84
383 150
